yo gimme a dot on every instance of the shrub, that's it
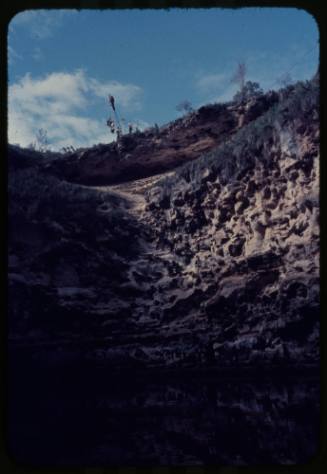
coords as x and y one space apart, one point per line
250 90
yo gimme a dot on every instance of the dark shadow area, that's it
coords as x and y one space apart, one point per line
82 416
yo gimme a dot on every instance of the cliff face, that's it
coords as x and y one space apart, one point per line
215 263
244 223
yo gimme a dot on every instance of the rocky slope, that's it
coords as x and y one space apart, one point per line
215 263
158 150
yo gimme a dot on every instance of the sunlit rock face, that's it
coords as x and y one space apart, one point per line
215 263
244 224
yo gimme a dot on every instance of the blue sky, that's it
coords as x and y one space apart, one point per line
62 64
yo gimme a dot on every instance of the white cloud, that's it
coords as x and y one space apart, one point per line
128 95
60 103
63 89
140 124
215 87
211 82
226 95
39 24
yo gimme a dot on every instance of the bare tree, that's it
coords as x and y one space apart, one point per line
239 77
41 141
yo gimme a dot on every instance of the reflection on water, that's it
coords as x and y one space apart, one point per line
91 418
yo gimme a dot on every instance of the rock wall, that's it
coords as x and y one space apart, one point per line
244 224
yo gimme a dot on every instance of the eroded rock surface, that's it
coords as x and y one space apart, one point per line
214 264
243 224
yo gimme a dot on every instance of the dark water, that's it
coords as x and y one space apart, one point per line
91 418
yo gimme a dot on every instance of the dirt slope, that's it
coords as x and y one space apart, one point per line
156 151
